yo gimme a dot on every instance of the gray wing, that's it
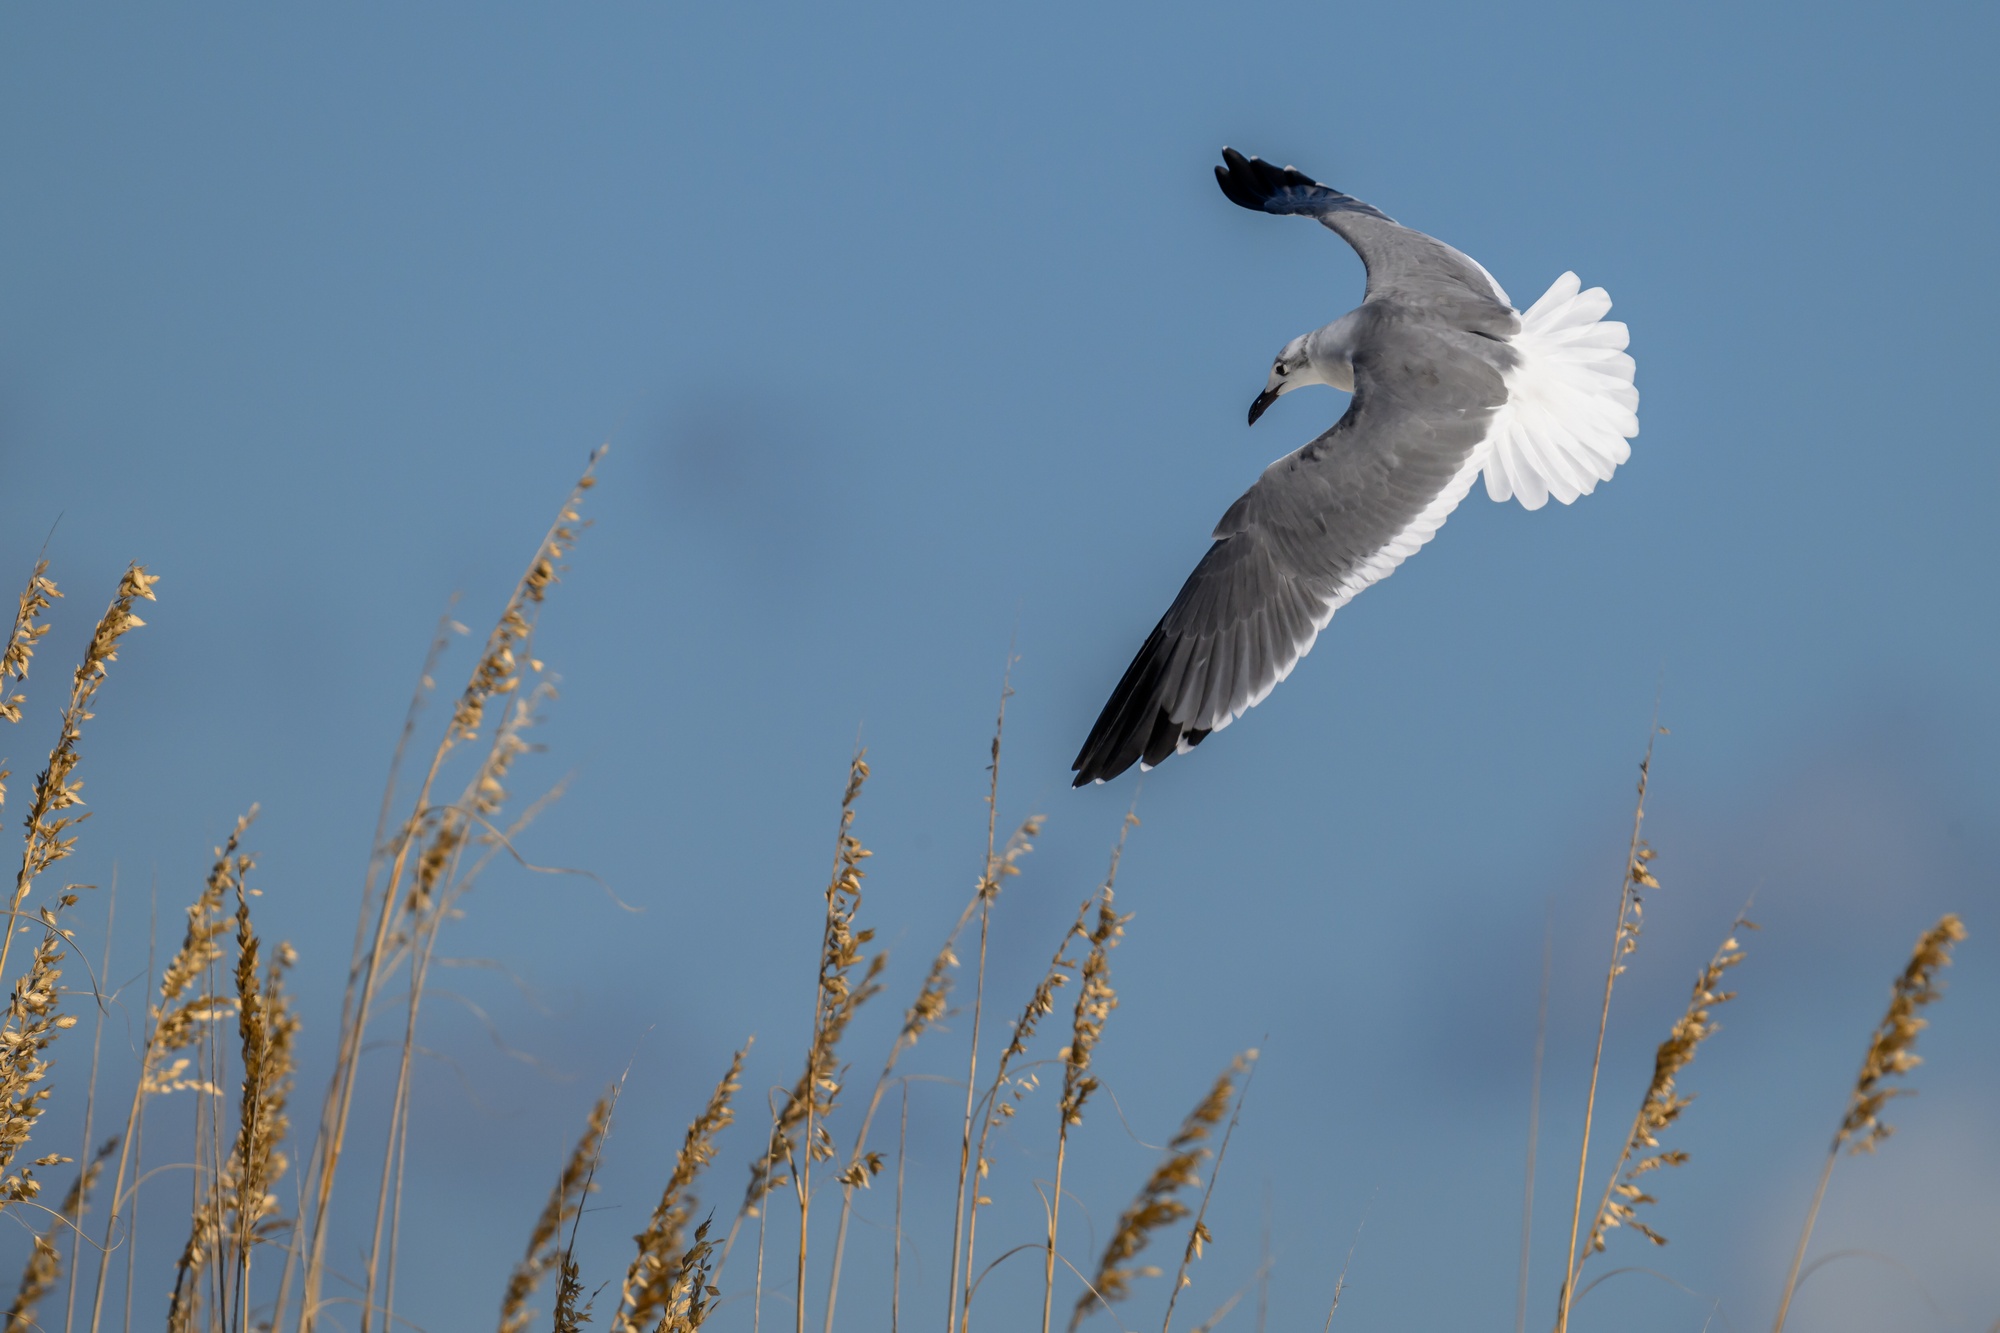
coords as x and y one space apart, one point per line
1404 266
1320 525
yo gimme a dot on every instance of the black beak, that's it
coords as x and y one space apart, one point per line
1264 400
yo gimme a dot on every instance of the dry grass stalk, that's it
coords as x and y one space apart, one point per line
184 1308
569 1317
176 1021
497 674
56 788
20 648
1158 1203
933 998
993 873
1892 1053
383 848
1258 1280
32 1022
545 1250
1094 1002
1340 1283
1624 939
1244 1067
441 881
569 1290
662 1275
239 1209
267 1026
691 1294
896 1253
32 1025
994 1106
76 1237
44 1267
1892 1050
838 998
1663 1102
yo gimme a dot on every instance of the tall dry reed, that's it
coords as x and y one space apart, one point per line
420 855
1004 1094
1892 1053
1158 1203
545 1251
44 1268
1244 1068
1624 940
1663 1103
1095 999
238 1209
175 1022
19 651
933 997
33 1019
994 871
662 1274
839 997
56 788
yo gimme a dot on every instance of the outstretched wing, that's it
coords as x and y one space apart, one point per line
1403 265
1320 525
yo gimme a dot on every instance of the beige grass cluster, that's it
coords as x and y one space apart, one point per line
251 1262
1159 1204
1892 1053
1638 877
662 1272
238 1209
544 1250
44 1268
1664 1102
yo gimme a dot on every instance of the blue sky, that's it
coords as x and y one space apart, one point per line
917 332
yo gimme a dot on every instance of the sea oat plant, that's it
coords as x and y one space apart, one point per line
994 872
662 1276
1243 1068
239 1209
1663 1103
1096 998
545 1252
44 1268
175 1022
419 858
1892 1053
1004 1094
1624 941
1158 1203
933 998
33 1021
428 854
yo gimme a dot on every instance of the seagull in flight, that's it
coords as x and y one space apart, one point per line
1448 381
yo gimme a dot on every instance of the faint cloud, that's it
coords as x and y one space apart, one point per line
764 485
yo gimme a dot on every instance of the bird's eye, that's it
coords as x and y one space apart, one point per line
1279 370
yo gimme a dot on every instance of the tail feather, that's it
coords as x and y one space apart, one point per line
1571 405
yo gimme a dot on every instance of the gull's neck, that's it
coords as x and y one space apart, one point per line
1330 351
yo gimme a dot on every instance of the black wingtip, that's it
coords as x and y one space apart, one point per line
1253 183
1134 727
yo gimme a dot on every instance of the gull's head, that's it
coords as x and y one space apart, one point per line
1292 368
1324 356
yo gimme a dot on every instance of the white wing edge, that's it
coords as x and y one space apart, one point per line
1374 569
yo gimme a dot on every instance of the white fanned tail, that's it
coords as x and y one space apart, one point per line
1570 406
